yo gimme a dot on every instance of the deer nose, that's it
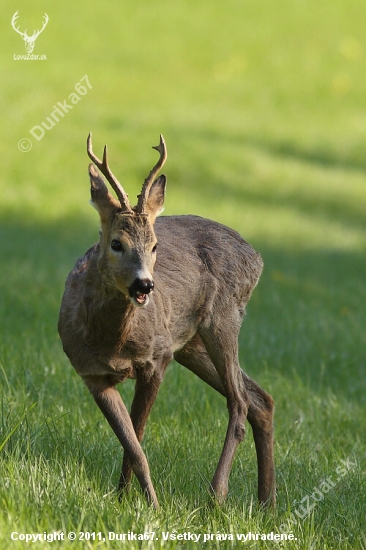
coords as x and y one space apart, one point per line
145 286
141 286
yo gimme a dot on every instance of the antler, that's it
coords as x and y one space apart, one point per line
142 198
104 168
37 32
13 21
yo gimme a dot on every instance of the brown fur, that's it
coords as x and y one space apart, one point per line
204 274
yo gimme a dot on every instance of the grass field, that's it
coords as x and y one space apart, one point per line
262 105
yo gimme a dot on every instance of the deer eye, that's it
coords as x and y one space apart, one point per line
116 245
155 247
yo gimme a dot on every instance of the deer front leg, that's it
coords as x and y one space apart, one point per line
110 403
146 390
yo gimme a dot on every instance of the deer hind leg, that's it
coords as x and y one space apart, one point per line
222 348
260 412
146 390
260 417
110 403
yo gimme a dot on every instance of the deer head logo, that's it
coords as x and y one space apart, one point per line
28 40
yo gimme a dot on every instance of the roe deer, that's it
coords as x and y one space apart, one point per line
119 321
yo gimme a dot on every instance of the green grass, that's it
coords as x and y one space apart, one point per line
262 107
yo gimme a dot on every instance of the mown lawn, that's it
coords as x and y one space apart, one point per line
262 105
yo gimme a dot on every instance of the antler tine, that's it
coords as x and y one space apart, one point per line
104 168
13 22
38 32
161 148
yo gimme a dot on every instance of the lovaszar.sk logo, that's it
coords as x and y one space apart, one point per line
29 41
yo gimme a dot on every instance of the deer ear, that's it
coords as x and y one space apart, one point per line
101 198
155 201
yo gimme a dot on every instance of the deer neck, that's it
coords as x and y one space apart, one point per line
108 314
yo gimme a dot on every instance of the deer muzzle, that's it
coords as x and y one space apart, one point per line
139 291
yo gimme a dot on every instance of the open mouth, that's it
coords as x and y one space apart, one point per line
141 299
139 292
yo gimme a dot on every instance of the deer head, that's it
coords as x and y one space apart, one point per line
29 40
128 242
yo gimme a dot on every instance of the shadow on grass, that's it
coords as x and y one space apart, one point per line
35 260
